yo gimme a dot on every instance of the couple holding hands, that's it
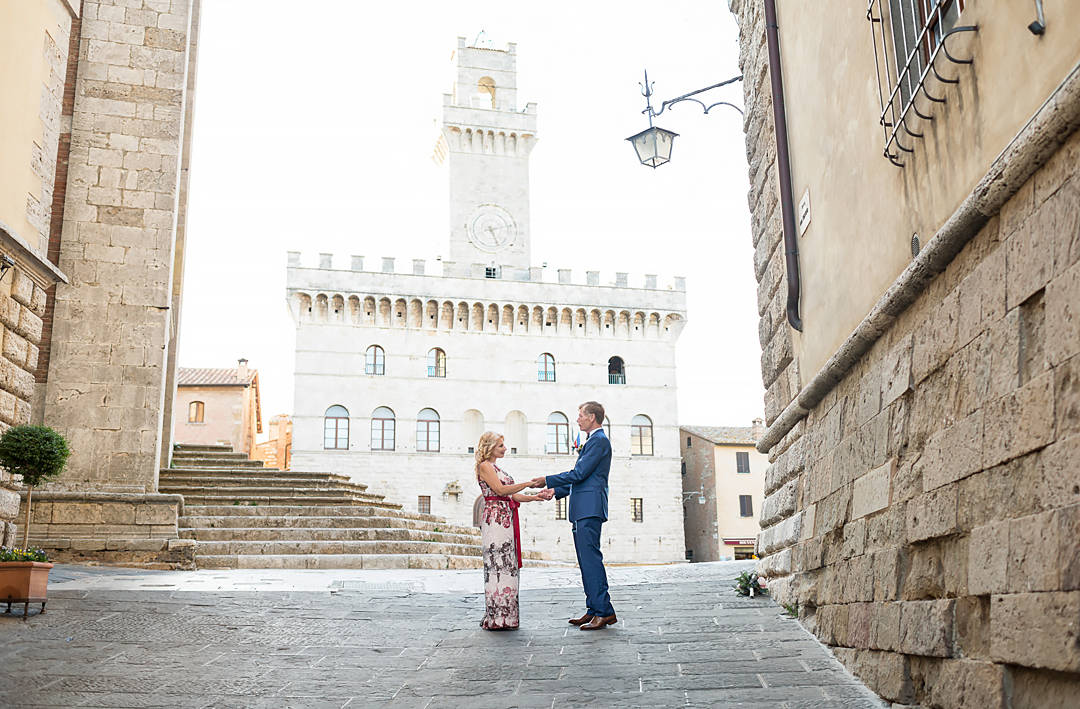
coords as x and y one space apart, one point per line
500 532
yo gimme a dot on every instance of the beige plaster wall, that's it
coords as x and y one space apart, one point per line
227 417
729 485
864 210
33 53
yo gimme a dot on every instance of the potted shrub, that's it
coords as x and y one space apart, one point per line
37 454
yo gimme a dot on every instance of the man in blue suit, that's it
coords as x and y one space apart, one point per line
587 486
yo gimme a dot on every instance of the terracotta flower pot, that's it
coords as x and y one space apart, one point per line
24 582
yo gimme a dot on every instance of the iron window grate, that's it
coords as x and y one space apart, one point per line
915 32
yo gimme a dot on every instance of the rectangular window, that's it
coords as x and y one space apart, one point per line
491 272
742 553
513 450
689 554
688 444
746 506
742 462
196 411
335 433
641 440
382 434
684 467
637 509
560 508
423 504
427 436
558 438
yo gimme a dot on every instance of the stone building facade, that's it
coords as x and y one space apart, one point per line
276 450
94 151
723 476
218 406
923 500
398 374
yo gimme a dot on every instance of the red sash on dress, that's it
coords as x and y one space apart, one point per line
514 505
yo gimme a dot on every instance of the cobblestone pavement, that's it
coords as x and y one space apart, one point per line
124 638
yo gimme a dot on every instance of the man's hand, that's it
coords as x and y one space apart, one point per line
538 482
546 495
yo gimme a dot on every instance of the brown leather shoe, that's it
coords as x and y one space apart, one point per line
580 621
600 621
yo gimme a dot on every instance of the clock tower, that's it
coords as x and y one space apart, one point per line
485 142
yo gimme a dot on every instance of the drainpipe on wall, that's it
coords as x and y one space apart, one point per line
787 204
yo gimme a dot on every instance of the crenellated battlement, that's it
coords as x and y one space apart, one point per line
448 269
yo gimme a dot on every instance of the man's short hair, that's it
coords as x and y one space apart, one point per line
596 409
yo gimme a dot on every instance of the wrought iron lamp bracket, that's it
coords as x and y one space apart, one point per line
647 92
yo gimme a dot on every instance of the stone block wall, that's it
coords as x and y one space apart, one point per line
699 520
111 324
925 514
22 303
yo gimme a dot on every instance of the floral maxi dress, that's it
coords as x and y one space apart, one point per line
500 559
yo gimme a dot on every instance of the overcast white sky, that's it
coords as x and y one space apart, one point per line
314 127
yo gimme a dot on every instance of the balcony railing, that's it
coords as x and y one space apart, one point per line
616 378
436 371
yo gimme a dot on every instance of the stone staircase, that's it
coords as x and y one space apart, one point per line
243 515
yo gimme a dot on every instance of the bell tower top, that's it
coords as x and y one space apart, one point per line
486 78
486 140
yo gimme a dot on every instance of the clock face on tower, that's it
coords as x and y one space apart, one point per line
491 228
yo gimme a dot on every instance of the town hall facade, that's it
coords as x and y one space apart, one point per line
398 374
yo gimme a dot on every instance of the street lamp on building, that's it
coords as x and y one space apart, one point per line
653 145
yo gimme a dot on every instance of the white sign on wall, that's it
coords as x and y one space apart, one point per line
804 212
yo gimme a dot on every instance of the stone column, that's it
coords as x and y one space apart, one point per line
113 323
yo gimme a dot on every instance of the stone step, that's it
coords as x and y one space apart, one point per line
232 547
243 492
387 509
215 463
356 561
323 534
297 522
339 561
257 480
221 455
167 473
281 500
245 489
217 447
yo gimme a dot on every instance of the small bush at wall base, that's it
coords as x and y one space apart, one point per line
791 610
748 583
9 554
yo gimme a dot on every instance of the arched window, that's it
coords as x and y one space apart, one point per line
375 360
427 431
558 434
486 86
195 412
615 372
336 428
545 368
641 435
436 363
477 510
382 429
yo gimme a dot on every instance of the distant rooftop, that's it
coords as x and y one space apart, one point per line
209 376
726 435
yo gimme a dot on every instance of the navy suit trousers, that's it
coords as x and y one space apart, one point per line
591 562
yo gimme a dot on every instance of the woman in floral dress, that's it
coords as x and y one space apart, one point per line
500 536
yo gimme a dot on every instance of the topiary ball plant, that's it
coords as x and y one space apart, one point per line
38 454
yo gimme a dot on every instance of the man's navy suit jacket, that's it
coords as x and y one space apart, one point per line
587 483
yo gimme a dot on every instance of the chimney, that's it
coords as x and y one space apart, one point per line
757 429
242 369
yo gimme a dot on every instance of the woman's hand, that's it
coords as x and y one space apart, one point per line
546 495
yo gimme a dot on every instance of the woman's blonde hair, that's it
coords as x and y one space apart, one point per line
487 443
